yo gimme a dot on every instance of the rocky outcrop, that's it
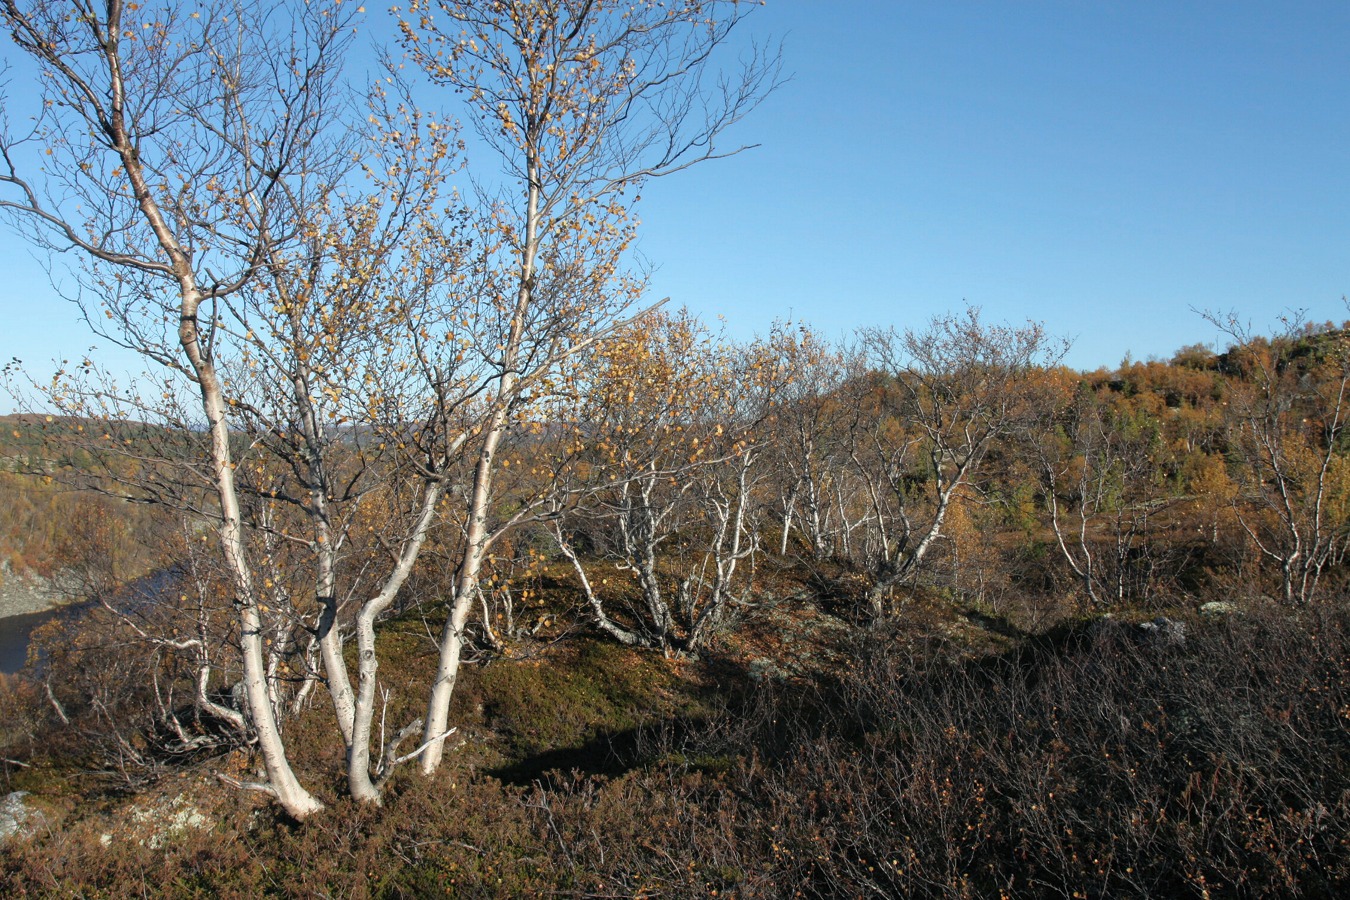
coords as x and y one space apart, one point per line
21 594
1163 631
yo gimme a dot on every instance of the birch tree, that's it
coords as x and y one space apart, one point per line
672 432
262 236
944 395
160 153
1288 412
1097 468
811 422
580 101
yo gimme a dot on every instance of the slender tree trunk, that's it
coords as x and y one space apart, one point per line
475 549
896 569
476 537
281 779
330 634
598 614
789 504
466 587
813 516
1084 569
726 558
359 780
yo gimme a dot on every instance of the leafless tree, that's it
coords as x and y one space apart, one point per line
1100 481
811 423
581 102
676 422
940 399
642 431
1287 418
346 349
273 239
167 150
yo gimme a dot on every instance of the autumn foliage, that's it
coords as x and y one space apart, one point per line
419 468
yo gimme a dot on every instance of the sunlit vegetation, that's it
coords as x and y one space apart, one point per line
431 557
987 728
52 518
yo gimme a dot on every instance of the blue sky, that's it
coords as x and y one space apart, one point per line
1103 167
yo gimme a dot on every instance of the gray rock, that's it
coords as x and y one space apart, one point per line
766 670
1164 632
170 821
23 594
16 818
155 824
1217 608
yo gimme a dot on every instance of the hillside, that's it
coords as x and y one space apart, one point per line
1107 674
947 757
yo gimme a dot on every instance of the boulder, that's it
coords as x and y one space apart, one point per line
1163 631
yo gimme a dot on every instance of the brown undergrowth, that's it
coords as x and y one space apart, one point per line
1093 759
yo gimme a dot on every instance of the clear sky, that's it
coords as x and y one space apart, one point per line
1103 167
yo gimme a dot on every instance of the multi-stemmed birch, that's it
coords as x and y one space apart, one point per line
942 398
305 291
580 101
163 150
646 427
1287 420
340 408
672 435
279 244
1097 471
809 452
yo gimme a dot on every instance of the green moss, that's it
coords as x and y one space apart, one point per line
607 690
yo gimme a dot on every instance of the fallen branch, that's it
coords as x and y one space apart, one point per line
425 744
258 786
390 748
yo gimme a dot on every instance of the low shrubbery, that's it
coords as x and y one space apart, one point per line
1100 763
1101 759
